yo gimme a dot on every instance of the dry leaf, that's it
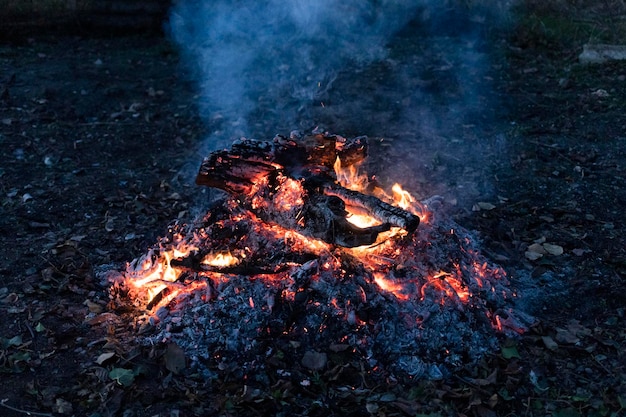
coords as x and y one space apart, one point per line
104 357
485 206
338 347
93 307
533 256
371 408
62 406
578 329
175 358
314 360
537 248
10 299
550 343
565 336
555 250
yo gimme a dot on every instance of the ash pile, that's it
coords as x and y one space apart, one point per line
303 258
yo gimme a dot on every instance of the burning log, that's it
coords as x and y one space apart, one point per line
249 269
375 207
298 172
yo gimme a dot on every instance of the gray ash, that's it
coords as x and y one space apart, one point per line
234 292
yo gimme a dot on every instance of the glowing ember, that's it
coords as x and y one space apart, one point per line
427 293
390 286
220 259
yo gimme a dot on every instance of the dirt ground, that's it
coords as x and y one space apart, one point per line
97 137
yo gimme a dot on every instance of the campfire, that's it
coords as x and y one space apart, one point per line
305 253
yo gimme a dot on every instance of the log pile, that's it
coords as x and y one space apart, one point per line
255 171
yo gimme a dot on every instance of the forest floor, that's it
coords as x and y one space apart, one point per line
97 135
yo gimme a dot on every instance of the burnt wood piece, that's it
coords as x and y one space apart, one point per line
248 270
319 151
193 263
325 218
235 170
233 173
381 211
309 159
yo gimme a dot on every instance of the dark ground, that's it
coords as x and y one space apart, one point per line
95 131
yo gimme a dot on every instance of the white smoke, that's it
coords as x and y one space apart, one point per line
247 53
275 61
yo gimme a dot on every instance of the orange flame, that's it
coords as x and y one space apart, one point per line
154 276
390 286
350 177
220 259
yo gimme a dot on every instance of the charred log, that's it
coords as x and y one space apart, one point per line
236 169
378 209
258 169
233 173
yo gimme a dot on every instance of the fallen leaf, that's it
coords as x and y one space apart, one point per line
93 307
534 379
509 352
387 397
371 408
533 256
338 347
104 357
555 250
62 406
550 343
485 206
565 336
174 358
314 360
15 340
122 376
483 382
537 248
10 299
578 329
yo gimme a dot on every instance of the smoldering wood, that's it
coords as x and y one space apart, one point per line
233 173
251 267
245 270
381 211
235 170
325 218
309 159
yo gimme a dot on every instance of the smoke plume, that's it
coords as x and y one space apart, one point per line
374 67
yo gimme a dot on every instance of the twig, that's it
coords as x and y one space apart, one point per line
28 413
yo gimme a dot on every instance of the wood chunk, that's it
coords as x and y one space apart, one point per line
381 211
310 160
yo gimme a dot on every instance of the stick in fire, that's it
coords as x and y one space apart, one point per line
263 174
